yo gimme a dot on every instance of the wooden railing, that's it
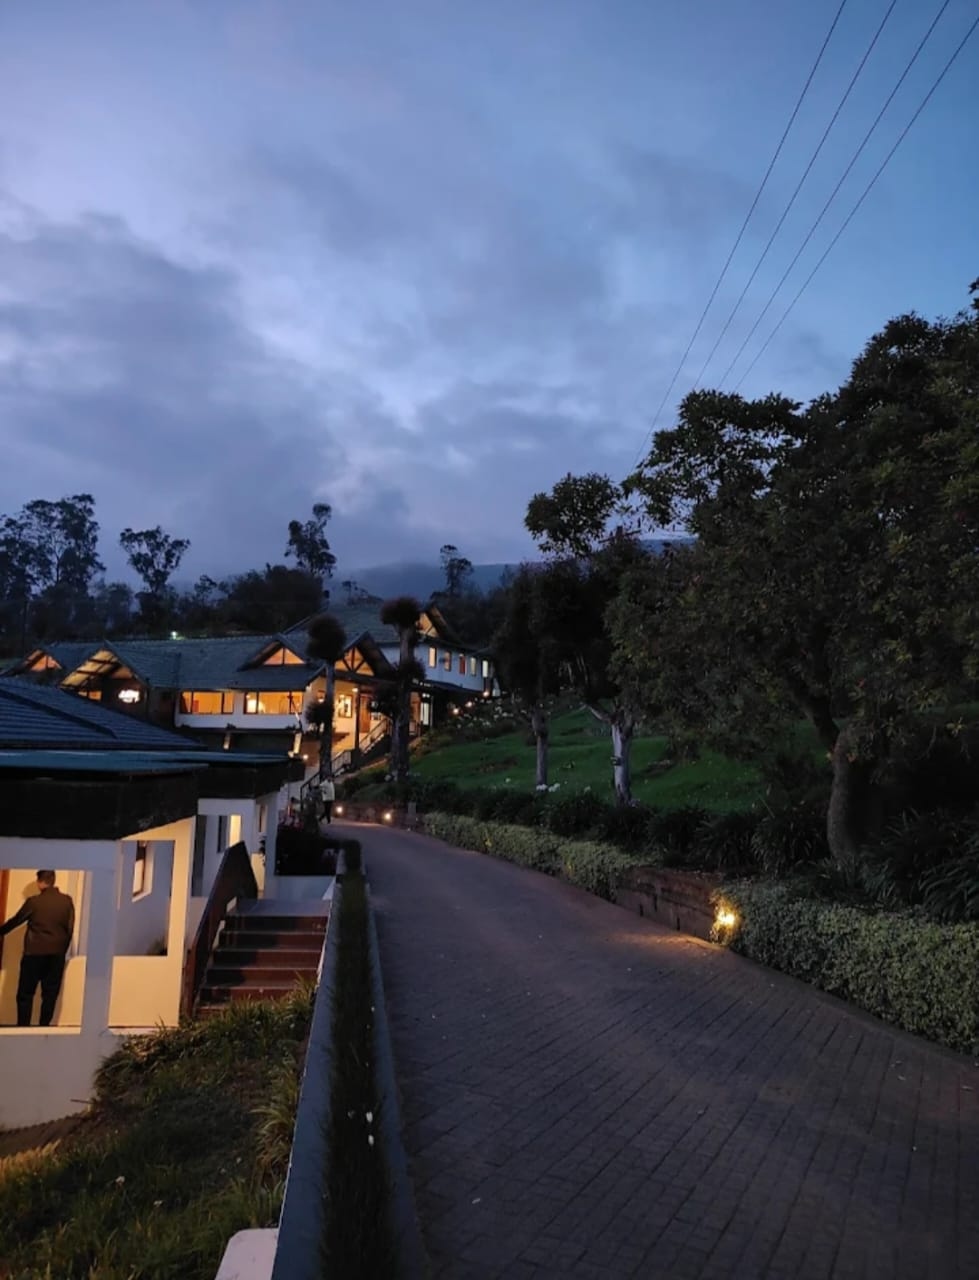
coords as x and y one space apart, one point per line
235 879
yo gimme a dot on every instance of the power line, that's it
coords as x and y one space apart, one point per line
792 199
835 192
866 192
744 227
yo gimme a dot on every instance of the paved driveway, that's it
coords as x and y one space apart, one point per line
589 1094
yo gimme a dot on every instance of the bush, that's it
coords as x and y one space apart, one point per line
576 813
725 842
675 832
629 826
920 975
913 846
790 835
591 866
951 892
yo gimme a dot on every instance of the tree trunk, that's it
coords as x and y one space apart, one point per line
842 827
326 729
622 728
539 724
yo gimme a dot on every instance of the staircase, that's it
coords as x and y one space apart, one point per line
261 957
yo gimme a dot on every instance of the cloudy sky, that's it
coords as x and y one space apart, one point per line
420 259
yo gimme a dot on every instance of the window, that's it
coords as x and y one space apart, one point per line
426 712
283 657
141 869
447 660
486 669
433 656
93 695
207 703
44 663
273 704
474 666
344 707
462 664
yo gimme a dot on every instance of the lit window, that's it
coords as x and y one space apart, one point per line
344 707
207 703
474 666
433 656
447 660
283 657
140 869
273 704
462 664
486 669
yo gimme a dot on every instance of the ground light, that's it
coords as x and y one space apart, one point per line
388 815
725 924
339 810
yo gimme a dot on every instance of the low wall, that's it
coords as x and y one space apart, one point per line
679 899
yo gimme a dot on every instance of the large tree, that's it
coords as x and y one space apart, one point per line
309 546
457 570
155 556
326 642
588 560
272 599
529 650
836 573
402 613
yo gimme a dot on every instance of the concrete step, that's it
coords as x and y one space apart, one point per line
267 957
220 975
255 922
253 939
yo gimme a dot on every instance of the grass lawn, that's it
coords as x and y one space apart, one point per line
187 1143
581 756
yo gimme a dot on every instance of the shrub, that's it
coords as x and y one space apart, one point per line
629 826
725 842
575 813
951 892
791 834
675 831
589 865
912 847
516 807
920 975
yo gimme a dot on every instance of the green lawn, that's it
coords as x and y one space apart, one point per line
581 756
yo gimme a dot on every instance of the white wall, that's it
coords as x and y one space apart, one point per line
143 920
238 718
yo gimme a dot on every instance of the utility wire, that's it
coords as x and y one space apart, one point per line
835 192
866 192
744 227
792 199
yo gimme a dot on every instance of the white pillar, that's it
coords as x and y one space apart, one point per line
102 902
183 865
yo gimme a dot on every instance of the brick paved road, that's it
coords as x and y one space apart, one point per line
587 1094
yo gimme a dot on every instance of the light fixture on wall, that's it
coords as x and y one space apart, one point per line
297 742
129 696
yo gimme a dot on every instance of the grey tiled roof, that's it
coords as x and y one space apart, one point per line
34 715
356 619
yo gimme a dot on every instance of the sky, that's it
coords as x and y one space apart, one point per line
422 260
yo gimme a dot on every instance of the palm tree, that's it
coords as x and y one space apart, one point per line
403 613
327 641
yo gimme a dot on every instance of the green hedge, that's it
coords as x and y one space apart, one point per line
592 866
907 970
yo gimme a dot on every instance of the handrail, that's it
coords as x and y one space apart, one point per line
235 879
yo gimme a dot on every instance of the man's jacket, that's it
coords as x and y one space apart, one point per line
50 919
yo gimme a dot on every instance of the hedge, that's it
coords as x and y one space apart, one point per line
585 863
922 976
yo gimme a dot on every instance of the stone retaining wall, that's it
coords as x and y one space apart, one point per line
678 899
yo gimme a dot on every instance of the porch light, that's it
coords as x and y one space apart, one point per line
129 696
226 744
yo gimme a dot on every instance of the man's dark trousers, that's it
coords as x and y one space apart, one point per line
46 970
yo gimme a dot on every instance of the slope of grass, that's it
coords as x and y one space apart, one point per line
581 756
187 1143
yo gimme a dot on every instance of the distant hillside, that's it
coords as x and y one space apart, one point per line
415 578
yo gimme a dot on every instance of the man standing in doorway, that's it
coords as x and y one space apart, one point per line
50 919
328 793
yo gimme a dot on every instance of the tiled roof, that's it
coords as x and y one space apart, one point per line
34 716
356 619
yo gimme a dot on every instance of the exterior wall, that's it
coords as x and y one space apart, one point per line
143 919
242 815
238 718
437 674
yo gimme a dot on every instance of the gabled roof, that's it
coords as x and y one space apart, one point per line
34 716
66 653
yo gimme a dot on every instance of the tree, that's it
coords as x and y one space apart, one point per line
528 651
327 642
154 556
583 577
403 612
308 544
457 570
836 574
271 600
573 518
